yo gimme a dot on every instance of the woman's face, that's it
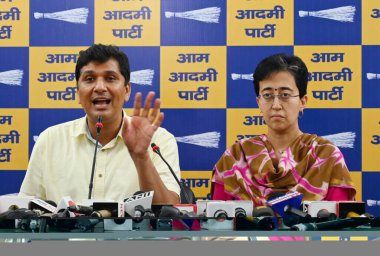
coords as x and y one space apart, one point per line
280 102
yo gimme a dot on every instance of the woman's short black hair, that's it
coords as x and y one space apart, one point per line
101 53
282 62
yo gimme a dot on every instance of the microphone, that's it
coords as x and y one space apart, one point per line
321 210
262 219
41 207
156 149
99 126
344 207
278 201
286 206
138 202
85 210
108 209
332 224
325 214
62 210
102 214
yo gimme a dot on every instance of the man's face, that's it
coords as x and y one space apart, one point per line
102 90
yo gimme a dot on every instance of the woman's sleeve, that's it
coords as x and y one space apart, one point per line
218 192
339 194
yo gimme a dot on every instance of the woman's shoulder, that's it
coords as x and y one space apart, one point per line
310 139
257 139
321 146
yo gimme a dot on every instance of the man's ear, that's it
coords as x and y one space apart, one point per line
128 90
77 94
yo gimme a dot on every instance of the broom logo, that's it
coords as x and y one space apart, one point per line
78 15
11 77
207 15
342 140
371 202
142 77
342 14
371 76
235 76
207 139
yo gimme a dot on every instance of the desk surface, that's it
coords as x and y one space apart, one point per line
122 235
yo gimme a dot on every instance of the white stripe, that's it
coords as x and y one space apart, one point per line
343 14
207 140
142 77
342 140
371 76
207 15
11 77
235 76
78 15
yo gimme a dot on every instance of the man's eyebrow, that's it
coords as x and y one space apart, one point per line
93 72
283 88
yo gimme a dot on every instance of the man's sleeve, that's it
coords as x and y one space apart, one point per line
32 184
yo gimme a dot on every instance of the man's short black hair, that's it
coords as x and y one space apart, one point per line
282 62
101 53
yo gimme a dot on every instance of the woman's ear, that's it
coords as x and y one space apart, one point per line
304 102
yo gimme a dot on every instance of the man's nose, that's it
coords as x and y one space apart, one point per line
100 85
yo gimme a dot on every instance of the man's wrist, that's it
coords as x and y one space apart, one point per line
140 157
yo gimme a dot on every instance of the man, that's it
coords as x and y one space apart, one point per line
60 164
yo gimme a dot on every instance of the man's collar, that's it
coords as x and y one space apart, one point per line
83 129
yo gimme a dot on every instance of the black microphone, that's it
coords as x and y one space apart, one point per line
156 150
262 219
332 224
99 126
86 210
325 214
103 214
41 207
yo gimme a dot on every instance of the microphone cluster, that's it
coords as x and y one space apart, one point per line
284 211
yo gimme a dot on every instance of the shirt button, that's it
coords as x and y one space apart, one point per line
100 175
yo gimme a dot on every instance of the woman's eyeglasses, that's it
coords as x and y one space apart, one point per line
283 97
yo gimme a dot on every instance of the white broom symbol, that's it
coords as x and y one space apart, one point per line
207 15
11 77
78 15
343 14
342 140
235 76
207 139
371 202
142 77
371 76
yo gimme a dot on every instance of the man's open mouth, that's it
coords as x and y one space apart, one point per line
101 101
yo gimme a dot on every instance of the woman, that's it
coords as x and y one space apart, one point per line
285 159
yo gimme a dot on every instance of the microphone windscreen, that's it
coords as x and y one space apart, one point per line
102 214
13 207
262 211
323 213
169 212
21 213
